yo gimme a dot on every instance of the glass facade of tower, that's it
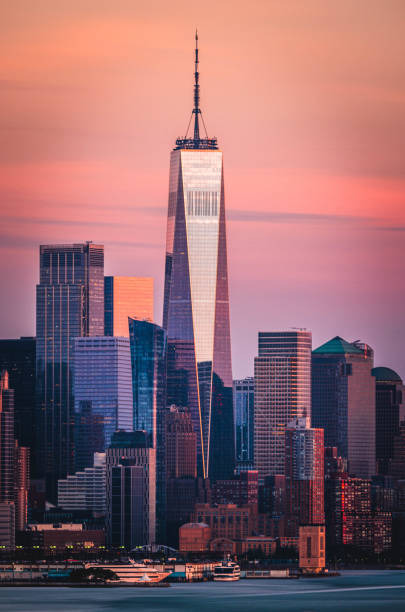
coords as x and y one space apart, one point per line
70 303
196 305
148 360
102 394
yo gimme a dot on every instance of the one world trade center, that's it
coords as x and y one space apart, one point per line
196 302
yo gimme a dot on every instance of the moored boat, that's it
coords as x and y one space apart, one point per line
131 572
227 571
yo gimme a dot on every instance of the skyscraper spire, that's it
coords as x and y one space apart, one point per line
196 110
196 142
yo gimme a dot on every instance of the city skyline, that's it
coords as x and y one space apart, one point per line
74 179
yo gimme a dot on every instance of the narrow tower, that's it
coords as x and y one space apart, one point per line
196 303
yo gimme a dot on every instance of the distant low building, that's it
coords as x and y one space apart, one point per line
226 520
194 537
312 548
56 538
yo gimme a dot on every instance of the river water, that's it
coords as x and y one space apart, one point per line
368 591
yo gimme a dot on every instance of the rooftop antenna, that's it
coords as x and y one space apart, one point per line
196 109
197 142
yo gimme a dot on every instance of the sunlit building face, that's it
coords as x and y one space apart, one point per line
126 296
196 303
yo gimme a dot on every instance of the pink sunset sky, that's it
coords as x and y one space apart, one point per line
307 100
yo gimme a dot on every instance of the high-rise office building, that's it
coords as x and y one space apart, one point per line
70 304
17 356
148 361
7 443
180 444
388 405
282 393
131 490
102 387
343 402
196 303
304 475
243 414
126 296
181 470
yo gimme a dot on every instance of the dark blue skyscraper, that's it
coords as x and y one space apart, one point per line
70 303
148 359
388 408
196 303
243 414
17 356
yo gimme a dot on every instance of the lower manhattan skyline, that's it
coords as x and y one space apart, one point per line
313 140
202 320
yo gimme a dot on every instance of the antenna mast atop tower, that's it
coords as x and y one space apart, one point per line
196 142
196 109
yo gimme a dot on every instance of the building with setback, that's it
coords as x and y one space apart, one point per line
70 304
343 402
196 302
85 490
282 393
126 296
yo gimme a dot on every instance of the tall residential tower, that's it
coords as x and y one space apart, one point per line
196 304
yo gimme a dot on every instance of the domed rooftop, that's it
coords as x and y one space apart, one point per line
386 374
194 525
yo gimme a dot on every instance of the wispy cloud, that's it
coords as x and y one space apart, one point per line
294 217
61 222
391 228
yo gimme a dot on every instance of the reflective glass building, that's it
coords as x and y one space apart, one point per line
148 360
102 394
126 296
196 304
70 303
